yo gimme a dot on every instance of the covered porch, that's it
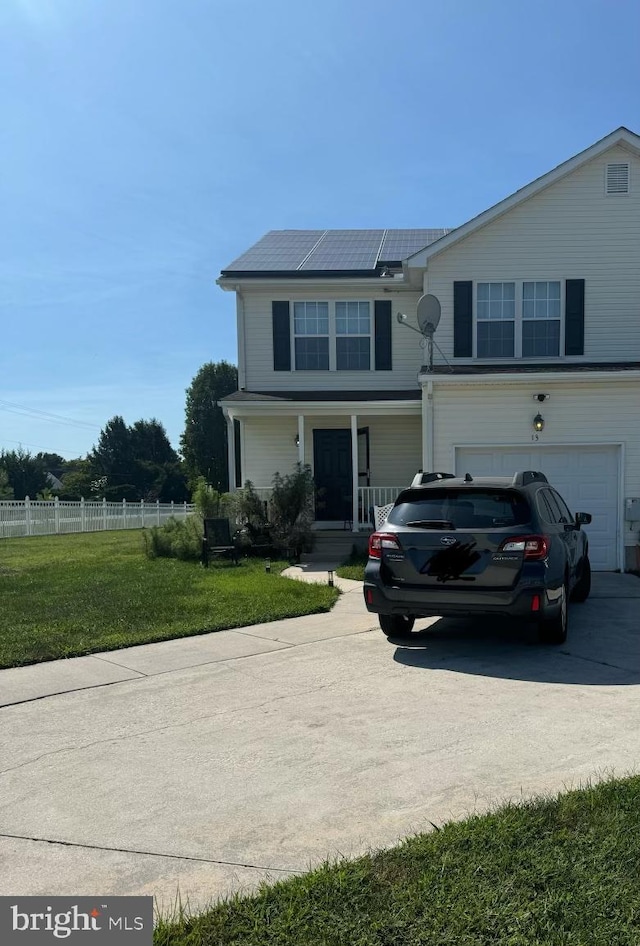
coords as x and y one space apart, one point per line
362 451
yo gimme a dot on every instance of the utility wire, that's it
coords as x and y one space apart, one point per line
45 415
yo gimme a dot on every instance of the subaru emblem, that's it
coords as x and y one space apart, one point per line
448 540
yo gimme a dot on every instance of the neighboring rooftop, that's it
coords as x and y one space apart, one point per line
326 252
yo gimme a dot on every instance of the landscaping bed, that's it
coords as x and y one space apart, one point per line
62 596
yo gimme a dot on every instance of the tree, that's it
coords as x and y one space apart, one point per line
80 482
27 475
53 462
6 492
204 441
136 462
149 442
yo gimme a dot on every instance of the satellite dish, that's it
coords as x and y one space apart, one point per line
428 314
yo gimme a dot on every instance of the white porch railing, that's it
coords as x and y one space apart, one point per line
370 496
55 517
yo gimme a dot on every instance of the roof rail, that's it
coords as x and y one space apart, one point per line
420 479
525 477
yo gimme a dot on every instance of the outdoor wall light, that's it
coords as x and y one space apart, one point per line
538 422
297 440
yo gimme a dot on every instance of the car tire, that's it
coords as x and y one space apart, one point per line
554 630
583 586
396 625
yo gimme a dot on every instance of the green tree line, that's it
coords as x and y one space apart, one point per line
136 462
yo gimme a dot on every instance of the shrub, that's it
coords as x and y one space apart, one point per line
176 539
248 507
207 500
292 509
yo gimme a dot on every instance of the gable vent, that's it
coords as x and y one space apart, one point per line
617 178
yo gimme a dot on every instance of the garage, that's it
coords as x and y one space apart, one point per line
588 478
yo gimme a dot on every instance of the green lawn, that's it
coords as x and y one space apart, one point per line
562 872
354 566
67 595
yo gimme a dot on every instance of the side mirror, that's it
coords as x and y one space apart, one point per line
583 518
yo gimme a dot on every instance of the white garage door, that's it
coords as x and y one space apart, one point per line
586 477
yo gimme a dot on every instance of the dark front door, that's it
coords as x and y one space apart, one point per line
332 473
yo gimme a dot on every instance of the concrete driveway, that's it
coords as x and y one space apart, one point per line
205 765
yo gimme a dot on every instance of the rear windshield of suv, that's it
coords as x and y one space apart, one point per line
463 509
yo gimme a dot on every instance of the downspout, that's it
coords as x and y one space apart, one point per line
242 340
428 439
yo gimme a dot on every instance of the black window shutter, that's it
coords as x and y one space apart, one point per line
463 319
574 317
281 336
383 335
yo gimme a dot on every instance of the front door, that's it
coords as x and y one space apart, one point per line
332 474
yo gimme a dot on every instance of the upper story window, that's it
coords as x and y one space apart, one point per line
515 319
311 336
353 336
333 336
540 319
496 313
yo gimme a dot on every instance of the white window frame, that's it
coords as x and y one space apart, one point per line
332 336
478 320
517 341
547 318
294 334
368 335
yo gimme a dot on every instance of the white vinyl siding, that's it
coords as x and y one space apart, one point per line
579 413
571 230
269 446
259 373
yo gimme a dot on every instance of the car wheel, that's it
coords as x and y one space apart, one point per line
583 586
396 625
554 630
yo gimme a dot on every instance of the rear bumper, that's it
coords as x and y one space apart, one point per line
441 602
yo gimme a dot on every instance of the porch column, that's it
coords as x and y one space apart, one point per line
354 470
231 453
301 438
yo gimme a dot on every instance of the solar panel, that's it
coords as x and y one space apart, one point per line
280 250
325 250
400 244
345 249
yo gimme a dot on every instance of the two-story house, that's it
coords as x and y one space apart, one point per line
537 364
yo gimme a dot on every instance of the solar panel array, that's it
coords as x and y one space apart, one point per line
346 249
400 244
331 250
278 250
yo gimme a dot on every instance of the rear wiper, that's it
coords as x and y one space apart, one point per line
432 524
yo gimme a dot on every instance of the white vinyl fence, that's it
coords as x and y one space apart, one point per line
54 517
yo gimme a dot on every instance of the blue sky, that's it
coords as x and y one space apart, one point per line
146 143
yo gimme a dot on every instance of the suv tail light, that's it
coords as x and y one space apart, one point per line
535 547
381 540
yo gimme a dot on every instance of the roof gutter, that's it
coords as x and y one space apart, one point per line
586 377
